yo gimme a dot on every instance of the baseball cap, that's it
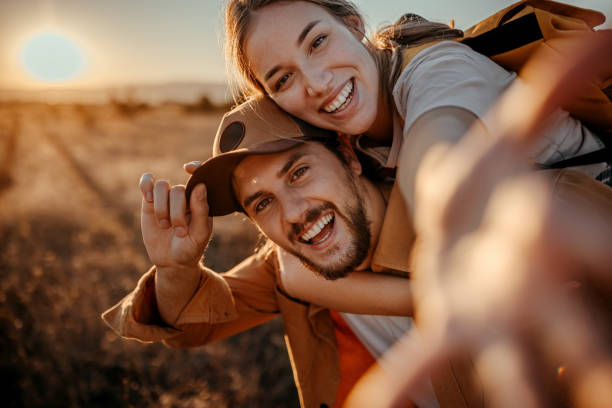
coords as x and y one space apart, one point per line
256 127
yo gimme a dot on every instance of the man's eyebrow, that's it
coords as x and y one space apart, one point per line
292 159
251 198
290 162
305 31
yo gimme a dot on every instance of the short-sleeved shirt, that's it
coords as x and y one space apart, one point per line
450 74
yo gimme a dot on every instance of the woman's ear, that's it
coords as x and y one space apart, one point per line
355 24
346 149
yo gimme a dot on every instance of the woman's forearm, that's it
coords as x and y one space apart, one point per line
360 292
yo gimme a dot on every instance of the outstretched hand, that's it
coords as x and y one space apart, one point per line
175 236
498 259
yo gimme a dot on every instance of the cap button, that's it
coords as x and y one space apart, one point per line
231 137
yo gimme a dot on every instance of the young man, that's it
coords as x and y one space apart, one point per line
304 190
310 199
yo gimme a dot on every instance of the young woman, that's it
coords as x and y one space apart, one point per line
313 59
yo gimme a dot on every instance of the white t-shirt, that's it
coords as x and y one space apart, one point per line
378 333
450 74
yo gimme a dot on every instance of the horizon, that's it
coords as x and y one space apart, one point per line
123 45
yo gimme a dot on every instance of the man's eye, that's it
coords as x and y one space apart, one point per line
317 42
262 204
298 173
281 81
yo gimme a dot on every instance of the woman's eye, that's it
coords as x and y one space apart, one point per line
281 81
298 173
318 41
262 204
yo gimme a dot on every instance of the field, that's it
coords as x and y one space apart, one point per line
70 247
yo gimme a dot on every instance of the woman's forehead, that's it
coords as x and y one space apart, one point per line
278 27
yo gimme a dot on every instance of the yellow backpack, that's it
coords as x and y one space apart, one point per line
511 35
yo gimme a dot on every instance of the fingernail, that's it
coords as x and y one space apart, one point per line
149 196
201 194
164 224
180 231
193 163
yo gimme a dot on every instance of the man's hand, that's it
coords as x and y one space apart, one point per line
173 236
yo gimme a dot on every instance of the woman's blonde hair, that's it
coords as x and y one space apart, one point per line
407 31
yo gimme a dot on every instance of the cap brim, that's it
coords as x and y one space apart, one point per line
216 174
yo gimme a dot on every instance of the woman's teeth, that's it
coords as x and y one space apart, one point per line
317 228
342 100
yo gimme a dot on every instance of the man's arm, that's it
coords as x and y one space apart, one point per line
221 306
175 240
178 297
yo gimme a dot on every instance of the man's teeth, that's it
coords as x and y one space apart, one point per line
343 98
315 229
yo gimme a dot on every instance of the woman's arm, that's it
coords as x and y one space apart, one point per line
360 292
434 130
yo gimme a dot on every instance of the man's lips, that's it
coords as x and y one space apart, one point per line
319 230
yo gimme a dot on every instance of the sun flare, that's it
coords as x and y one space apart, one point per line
52 57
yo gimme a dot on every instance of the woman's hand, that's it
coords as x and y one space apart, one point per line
499 256
174 236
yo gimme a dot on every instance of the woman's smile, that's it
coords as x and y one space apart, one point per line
317 68
342 99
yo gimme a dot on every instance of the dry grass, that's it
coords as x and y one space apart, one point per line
70 247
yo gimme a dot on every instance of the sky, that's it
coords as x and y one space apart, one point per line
119 42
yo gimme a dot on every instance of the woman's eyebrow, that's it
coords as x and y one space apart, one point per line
305 31
300 40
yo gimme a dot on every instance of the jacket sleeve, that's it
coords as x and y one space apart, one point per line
223 305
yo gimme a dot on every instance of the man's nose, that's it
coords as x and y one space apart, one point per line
317 81
294 208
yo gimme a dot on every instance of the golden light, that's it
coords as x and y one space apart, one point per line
52 57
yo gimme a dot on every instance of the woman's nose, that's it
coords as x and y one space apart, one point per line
317 81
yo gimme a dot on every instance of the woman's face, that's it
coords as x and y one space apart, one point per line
314 66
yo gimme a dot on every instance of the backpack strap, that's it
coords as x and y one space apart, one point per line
599 156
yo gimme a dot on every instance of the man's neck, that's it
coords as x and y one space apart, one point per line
375 211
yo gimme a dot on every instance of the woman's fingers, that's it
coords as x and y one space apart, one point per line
161 190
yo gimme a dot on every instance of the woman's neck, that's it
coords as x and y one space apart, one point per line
382 128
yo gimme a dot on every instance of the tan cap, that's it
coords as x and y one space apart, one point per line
257 126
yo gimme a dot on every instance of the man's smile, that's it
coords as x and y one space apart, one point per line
319 231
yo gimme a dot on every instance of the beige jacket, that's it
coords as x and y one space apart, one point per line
251 294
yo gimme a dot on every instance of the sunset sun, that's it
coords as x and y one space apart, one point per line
52 57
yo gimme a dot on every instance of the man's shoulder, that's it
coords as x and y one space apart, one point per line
394 246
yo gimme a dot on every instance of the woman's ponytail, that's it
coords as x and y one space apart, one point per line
410 30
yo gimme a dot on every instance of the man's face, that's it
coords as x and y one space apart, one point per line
309 203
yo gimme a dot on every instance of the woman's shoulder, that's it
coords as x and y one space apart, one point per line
448 57
448 73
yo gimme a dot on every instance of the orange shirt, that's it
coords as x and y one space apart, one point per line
353 358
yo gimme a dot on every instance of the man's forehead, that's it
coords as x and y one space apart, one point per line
253 168
256 163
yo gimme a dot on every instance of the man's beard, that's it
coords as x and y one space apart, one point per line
359 246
